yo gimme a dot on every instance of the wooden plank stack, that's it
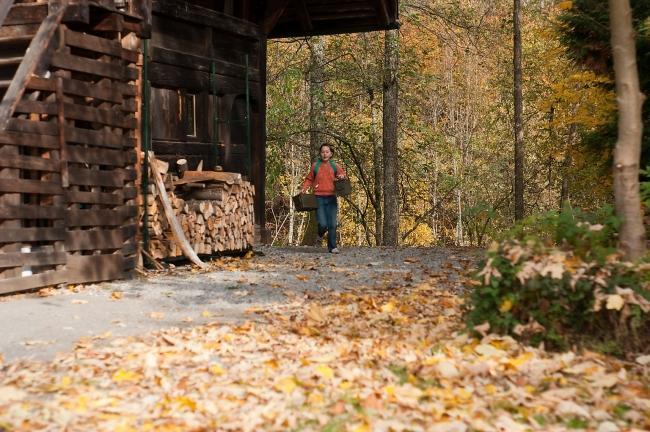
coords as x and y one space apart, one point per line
68 139
215 210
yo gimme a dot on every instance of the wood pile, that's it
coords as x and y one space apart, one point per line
214 209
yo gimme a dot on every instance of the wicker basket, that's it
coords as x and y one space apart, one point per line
305 202
342 187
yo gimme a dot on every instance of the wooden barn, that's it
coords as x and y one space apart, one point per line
89 87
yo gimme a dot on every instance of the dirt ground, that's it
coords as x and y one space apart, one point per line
37 327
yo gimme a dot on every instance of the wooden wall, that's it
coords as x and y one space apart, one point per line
187 41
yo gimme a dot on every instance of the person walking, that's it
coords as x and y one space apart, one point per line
321 178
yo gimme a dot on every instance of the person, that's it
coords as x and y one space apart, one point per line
321 178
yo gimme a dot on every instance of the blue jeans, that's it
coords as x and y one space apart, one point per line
326 216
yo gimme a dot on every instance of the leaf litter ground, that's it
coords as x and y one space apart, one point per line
383 352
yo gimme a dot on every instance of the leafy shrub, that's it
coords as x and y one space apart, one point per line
590 236
645 188
560 282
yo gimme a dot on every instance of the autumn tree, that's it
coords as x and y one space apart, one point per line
316 80
519 113
390 149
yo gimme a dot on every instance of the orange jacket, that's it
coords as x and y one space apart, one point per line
324 182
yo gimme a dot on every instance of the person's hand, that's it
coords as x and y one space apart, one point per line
340 176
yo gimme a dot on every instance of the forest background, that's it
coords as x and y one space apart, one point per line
455 121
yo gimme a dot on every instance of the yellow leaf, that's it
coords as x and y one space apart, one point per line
615 302
273 363
65 381
388 307
186 402
505 306
363 427
286 385
490 389
116 295
389 390
325 371
217 370
206 314
316 398
431 361
520 360
564 5
122 375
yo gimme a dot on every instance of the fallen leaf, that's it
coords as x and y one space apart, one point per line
46 292
324 371
615 302
286 385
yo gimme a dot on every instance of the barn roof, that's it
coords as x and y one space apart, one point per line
295 18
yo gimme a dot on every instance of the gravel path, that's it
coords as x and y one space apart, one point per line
38 327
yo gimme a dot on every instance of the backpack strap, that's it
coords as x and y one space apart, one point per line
317 166
333 165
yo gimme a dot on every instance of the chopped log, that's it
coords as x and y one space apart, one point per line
207 176
171 217
181 166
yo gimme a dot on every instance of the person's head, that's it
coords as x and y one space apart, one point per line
326 152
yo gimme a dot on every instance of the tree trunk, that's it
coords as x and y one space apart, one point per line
519 109
378 170
316 119
566 167
292 188
630 128
390 154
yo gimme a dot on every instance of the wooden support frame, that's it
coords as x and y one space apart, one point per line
5 6
303 14
37 58
382 12
274 10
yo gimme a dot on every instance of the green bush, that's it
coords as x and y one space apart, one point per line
590 236
559 281
645 188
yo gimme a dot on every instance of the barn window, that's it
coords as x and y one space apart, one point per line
189 103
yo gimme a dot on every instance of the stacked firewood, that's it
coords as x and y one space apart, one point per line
214 210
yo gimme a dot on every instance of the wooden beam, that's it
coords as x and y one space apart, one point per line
228 7
190 61
5 6
30 282
382 12
36 58
303 15
198 15
274 10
